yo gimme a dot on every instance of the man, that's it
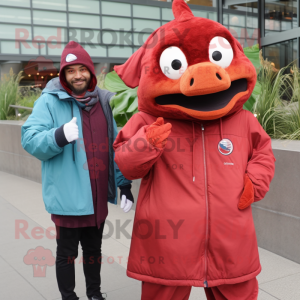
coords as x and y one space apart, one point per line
71 130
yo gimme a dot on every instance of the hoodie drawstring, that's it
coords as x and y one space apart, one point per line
221 129
73 143
193 172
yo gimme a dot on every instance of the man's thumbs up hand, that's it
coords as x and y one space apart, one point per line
71 130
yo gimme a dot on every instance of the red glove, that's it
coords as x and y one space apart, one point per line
158 132
248 194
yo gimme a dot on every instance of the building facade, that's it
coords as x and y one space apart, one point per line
33 33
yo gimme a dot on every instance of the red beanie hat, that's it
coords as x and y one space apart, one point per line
74 54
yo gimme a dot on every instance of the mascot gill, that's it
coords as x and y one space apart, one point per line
202 158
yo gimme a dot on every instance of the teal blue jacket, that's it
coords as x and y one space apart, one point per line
65 184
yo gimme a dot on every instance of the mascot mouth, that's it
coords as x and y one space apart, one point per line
209 102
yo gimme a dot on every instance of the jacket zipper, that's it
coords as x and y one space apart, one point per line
206 201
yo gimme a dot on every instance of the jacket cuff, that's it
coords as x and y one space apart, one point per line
60 137
127 186
126 190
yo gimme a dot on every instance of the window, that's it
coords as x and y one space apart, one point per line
84 36
49 4
10 47
119 52
167 14
15 15
41 17
280 16
212 3
140 38
56 50
25 3
84 21
281 54
148 12
116 23
242 21
113 37
30 48
50 33
117 9
145 25
86 6
10 31
95 50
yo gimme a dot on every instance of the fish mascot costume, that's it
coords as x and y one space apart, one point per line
202 158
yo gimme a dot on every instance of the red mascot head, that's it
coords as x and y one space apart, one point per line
190 68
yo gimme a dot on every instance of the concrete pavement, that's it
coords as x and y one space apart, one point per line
21 205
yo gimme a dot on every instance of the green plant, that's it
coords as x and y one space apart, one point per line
269 105
9 87
277 104
124 104
288 115
27 100
253 55
100 80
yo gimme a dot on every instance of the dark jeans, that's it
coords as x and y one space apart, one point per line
67 240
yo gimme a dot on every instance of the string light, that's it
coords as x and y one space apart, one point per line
29 75
42 76
51 74
37 73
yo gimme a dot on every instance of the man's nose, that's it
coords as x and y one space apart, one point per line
78 74
204 78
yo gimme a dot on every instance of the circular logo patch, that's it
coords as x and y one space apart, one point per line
225 147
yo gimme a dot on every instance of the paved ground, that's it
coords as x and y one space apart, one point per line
21 205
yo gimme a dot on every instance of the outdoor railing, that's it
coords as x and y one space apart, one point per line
17 107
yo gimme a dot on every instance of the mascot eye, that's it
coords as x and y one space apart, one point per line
176 64
220 52
173 62
217 55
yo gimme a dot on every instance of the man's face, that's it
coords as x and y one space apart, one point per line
78 78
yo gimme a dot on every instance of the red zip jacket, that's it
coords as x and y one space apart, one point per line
188 229
193 224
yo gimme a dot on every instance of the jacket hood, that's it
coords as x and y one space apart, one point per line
75 54
54 87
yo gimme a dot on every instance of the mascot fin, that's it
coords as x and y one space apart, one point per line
181 11
130 71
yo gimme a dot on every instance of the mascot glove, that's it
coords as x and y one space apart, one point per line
126 198
71 130
248 194
157 133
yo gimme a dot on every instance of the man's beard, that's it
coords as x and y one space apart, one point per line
81 90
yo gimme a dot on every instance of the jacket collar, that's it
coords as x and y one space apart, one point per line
54 87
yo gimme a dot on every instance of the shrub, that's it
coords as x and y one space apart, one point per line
9 87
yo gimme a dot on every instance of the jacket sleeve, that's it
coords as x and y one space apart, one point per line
121 180
135 156
38 132
261 165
